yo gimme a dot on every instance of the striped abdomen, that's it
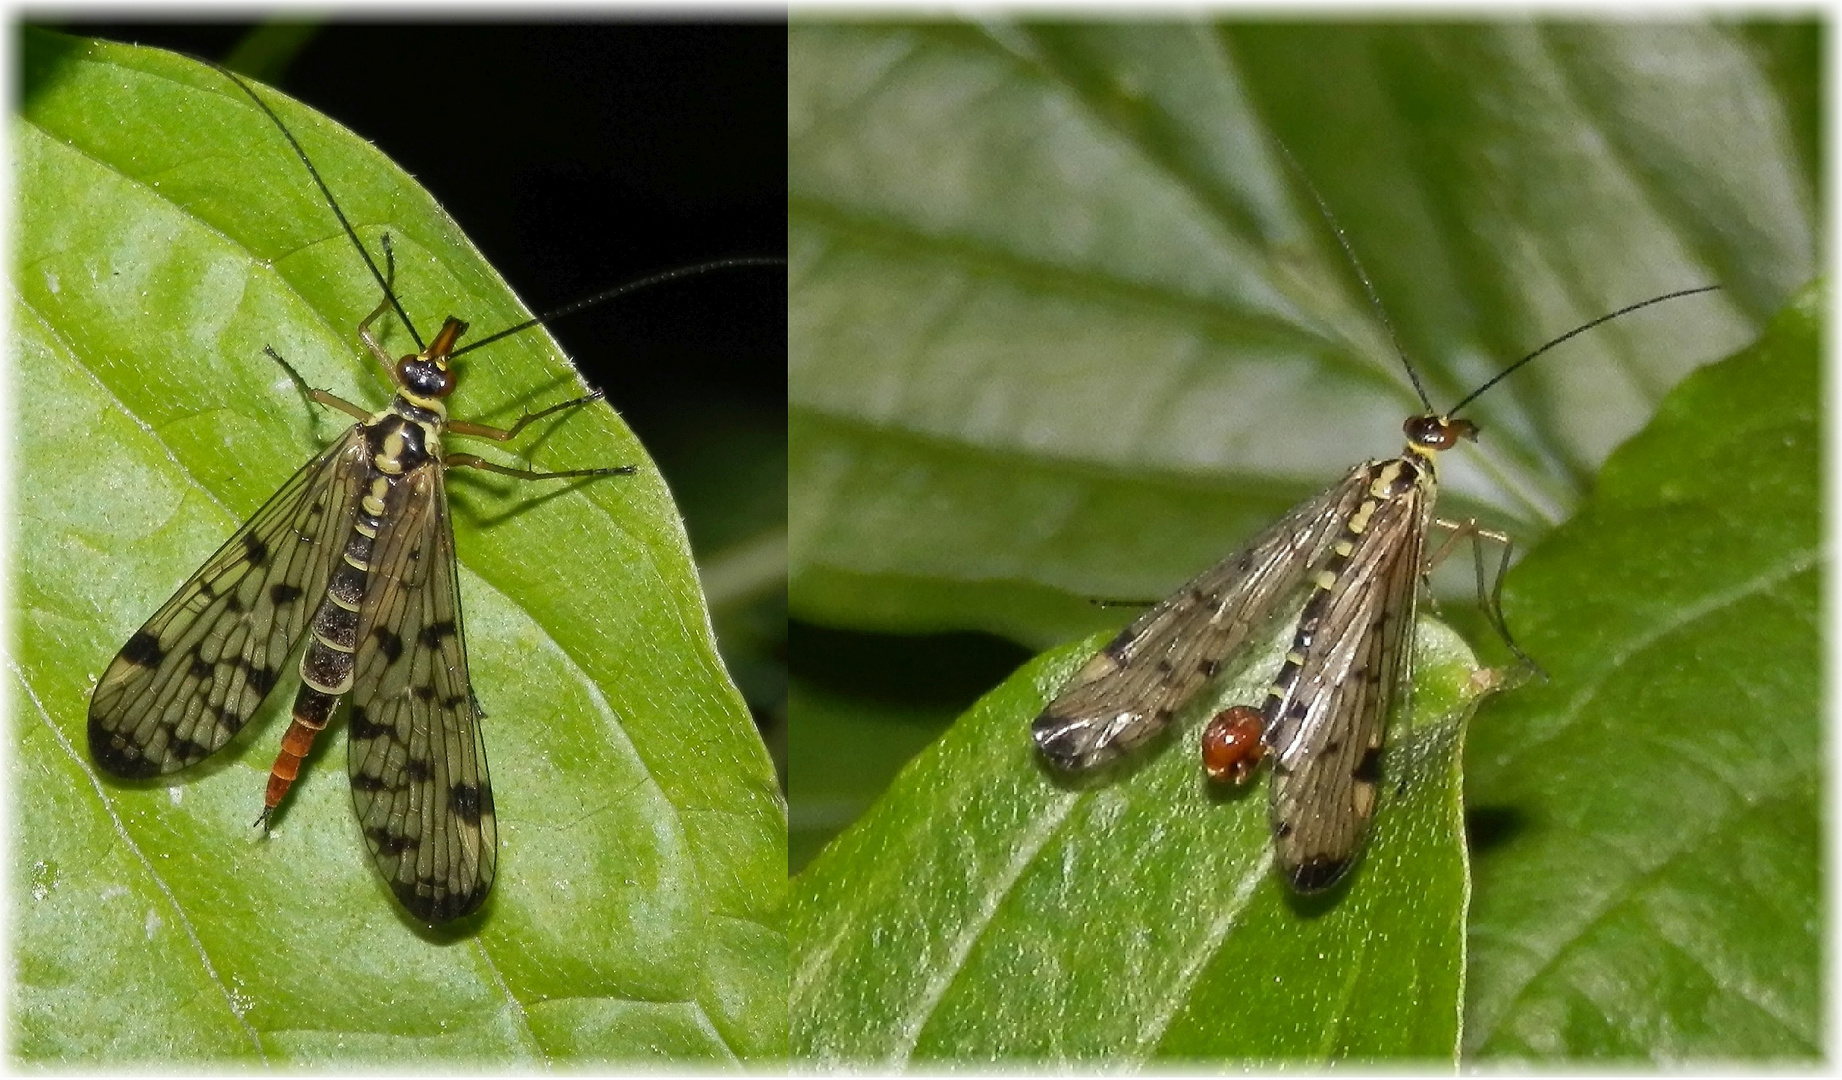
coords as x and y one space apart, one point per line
398 446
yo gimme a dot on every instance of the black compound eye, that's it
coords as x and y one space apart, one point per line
425 378
1438 432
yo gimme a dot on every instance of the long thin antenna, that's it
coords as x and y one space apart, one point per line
376 274
1362 275
620 290
1581 329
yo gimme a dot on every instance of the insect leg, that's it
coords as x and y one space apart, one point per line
321 397
472 462
485 431
1490 598
327 397
364 328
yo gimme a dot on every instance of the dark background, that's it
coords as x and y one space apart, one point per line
578 157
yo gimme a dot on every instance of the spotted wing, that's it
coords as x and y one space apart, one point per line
417 759
186 682
1327 733
1129 691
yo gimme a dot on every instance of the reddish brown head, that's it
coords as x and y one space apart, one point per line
1429 432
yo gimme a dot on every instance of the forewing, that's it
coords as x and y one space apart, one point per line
1130 690
417 760
186 682
1328 734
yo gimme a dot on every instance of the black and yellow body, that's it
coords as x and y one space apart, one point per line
1349 561
355 554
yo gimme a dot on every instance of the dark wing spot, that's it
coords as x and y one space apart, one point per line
431 902
233 604
284 594
143 650
365 728
1317 873
187 752
260 679
1368 770
367 782
418 770
202 669
389 643
464 801
388 844
117 756
1164 666
436 632
423 692
1208 667
254 549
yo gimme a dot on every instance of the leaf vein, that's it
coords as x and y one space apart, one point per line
121 831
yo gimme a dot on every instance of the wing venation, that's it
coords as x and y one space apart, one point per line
189 679
1128 692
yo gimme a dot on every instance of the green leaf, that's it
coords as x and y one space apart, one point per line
165 235
1065 325
1649 878
1133 918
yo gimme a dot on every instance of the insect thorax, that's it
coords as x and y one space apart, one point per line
405 436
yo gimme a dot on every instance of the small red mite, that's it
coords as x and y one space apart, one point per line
1231 746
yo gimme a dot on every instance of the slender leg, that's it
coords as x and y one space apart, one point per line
364 328
1489 598
484 431
323 397
472 462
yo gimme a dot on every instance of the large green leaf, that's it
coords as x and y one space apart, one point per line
1649 875
1065 325
165 235
986 909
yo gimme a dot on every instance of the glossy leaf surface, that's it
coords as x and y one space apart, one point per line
166 234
